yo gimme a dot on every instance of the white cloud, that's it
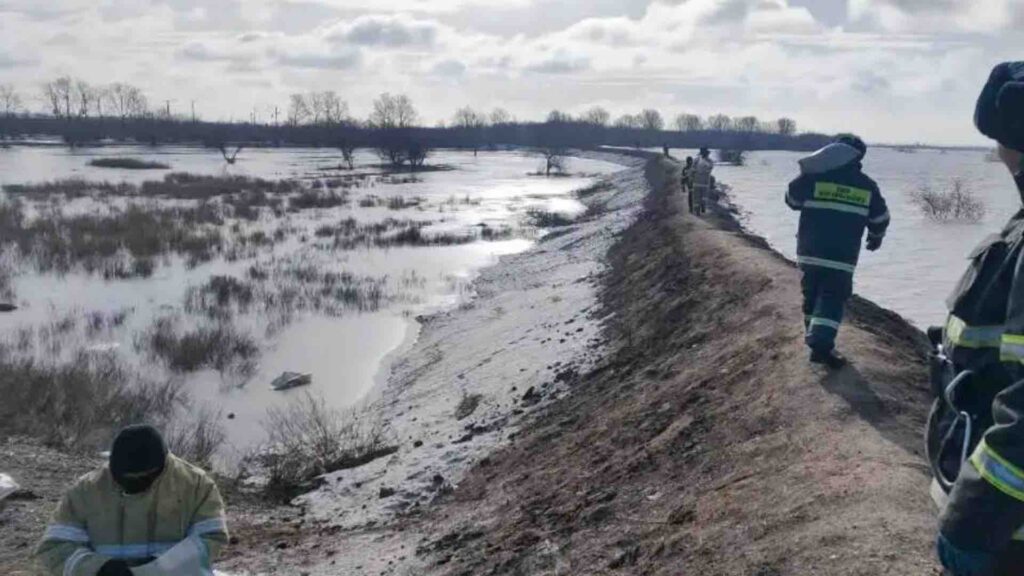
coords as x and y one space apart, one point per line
765 57
974 16
385 31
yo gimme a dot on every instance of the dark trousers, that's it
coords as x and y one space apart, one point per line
825 294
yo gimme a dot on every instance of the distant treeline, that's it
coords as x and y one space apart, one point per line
81 114
567 134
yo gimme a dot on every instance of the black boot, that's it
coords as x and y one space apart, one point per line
831 359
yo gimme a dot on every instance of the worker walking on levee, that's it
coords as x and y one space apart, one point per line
702 180
975 437
686 182
837 202
147 513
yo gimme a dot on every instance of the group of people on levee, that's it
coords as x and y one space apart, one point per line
149 513
697 181
975 434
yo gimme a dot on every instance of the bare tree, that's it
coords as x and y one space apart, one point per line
689 123
628 121
10 100
230 158
719 123
596 116
393 112
467 118
85 97
59 96
393 150
500 116
417 154
559 117
126 101
786 126
555 159
334 108
326 108
473 123
651 119
298 110
747 124
348 153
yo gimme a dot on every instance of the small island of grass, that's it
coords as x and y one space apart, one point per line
127 164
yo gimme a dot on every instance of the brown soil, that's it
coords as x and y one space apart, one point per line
44 474
707 444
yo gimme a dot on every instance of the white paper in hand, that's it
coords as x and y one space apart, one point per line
188 558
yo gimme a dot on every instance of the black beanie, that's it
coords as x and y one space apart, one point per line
1000 111
139 448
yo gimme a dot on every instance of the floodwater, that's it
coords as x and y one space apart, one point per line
347 353
922 259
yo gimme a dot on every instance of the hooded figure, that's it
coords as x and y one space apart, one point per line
975 436
837 202
147 513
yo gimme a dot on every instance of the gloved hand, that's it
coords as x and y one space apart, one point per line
874 243
114 568
962 562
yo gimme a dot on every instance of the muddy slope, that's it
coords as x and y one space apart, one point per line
706 444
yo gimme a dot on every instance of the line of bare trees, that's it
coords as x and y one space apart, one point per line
70 98
80 112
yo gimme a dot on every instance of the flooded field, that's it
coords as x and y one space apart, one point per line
221 277
922 259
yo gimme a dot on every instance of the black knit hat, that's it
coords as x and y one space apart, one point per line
1000 111
137 449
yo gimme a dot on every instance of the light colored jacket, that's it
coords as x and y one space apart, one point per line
96 521
702 169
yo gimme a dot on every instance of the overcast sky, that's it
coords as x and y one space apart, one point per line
892 70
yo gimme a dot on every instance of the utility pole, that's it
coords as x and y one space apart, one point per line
193 111
276 112
168 109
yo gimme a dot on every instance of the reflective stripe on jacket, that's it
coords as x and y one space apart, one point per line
985 334
835 209
96 521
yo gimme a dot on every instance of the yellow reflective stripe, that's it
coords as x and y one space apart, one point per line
959 333
837 206
830 191
998 471
1012 348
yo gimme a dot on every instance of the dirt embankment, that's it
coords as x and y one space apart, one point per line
707 444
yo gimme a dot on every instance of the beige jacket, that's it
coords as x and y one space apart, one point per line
96 521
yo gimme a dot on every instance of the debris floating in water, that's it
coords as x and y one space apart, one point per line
290 380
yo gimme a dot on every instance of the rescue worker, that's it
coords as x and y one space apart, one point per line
836 201
975 435
687 182
702 170
147 509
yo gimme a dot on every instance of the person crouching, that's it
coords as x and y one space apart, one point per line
147 509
